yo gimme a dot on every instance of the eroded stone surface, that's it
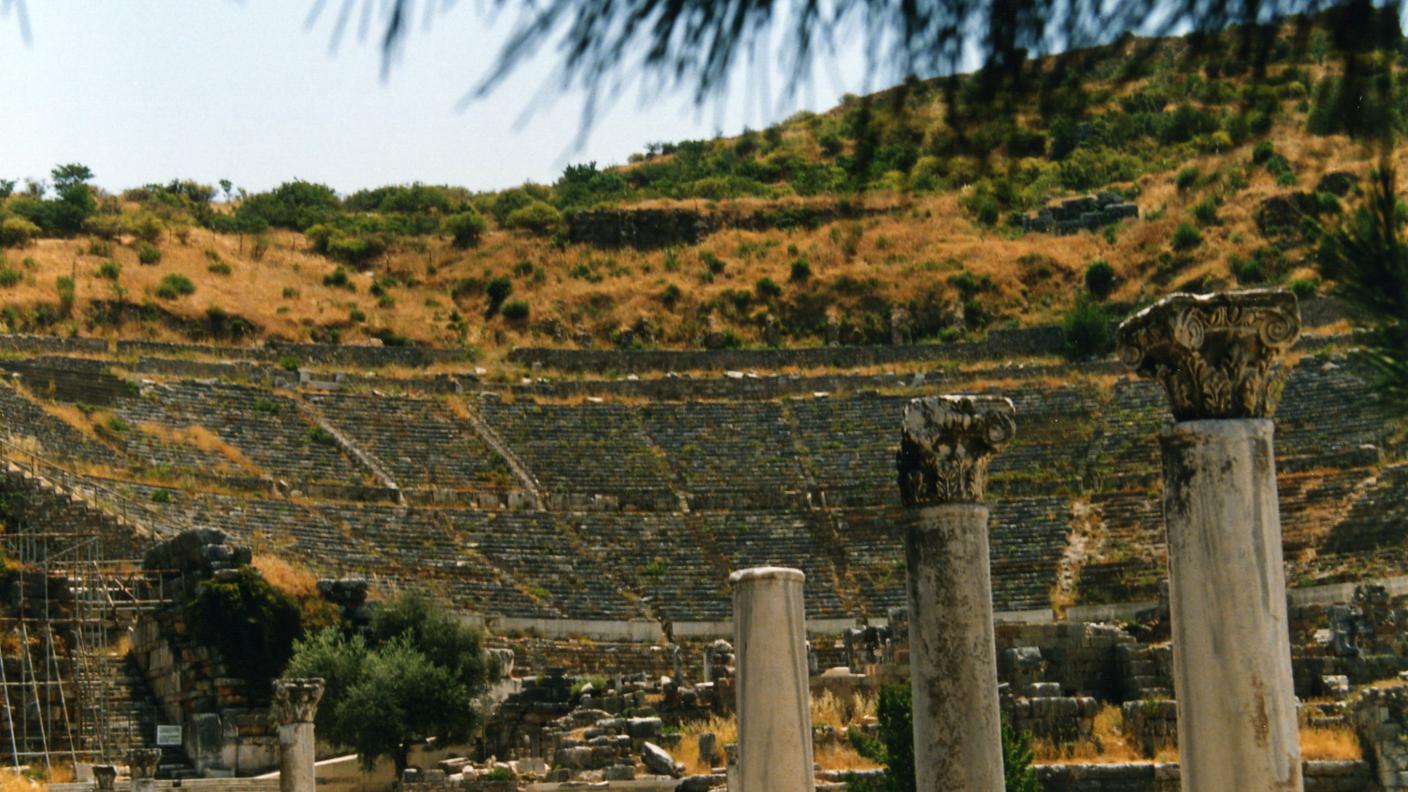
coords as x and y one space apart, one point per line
946 443
296 700
1216 355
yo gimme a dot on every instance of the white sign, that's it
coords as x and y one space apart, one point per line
168 734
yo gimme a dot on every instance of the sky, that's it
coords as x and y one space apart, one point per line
146 91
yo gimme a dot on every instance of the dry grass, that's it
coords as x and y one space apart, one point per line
295 580
203 439
827 710
725 731
1108 743
1330 743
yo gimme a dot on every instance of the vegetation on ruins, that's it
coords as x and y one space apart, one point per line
414 675
893 746
252 623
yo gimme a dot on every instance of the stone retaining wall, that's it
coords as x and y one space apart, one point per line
1319 777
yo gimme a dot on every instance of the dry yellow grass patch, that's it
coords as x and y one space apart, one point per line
203 439
725 731
292 579
1329 743
12 781
1108 744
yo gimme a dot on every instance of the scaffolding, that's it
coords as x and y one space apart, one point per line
70 595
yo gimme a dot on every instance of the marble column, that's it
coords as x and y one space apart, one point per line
295 705
774 701
945 445
1217 357
104 775
141 763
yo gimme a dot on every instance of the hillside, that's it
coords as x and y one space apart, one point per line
905 207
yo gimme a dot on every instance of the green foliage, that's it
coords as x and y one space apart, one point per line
218 268
801 271
1186 178
767 289
175 285
538 217
414 677
515 310
670 296
465 228
1087 169
17 231
9 276
110 270
1304 288
497 290
1099 279
64 285
1086 329
1205 211
894 748
251 623
1186 237
339 278
1017 756
1366 258
319 435
295 205
147 253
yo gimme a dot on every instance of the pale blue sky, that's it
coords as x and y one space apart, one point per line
149 90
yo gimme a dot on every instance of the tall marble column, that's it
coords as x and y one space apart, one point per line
945 445
295 705
141 763
774 701
1217 356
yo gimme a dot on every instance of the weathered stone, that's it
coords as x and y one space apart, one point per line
104 775
295 706
1237 727
946 443
658 760
774 703
1214 354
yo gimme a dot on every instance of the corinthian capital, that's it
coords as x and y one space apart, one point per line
296 700
1215 354
946 443
142 762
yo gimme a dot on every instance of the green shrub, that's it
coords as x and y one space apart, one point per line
17 231
497 290
338 278
1186 178
1186 237
1304 288
319 435
356 315
465 228
670 296
10 276
175 285
110 270
289 363
218 268
801 271
252 624
1205 212
714 263
1246 271
767 289
515 310
1099 279
147 253
1086 329
1262 152
538 217
161 496
99 247
64 284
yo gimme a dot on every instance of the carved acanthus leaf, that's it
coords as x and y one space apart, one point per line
1216 355
296 700
946 443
